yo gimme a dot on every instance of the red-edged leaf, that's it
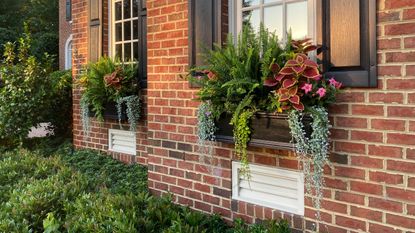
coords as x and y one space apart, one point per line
310 48
293 90
284 98
270 82
279 77
285 107
282 91
299 107
310 63
300 58
311 73
288 83
286 70
291 63
295 99
298 69
275 68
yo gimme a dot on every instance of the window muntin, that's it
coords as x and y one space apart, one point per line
125 33
279 16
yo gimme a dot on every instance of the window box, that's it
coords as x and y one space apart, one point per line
110 111
268 131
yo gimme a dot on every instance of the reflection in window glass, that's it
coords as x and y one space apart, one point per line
273 20
297 19
248 3
127 52
118 11
252 18
271 1
135 8
127 30
127 9
135 49
118 50
118 32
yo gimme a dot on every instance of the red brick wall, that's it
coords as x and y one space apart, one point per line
371 186
64 32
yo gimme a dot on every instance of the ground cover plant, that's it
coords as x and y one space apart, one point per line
59 189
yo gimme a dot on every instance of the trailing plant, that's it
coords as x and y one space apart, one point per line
133 104
312 150
206 132
109 81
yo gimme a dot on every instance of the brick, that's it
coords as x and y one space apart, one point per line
384 124
400 221
411 98
400 194
351 122
385 151
410 154
335 183
370 110
410 70
411 182
385 204
350 147
363 161
388 17
401 166
350 172
395 111
375 228
365 187
401 139
384 44
411 209
400 29
334 206
221 192
366 213
350 97
390 70
367 136
351 223
383 177
401 84
350 197
393 4
386 97
410 42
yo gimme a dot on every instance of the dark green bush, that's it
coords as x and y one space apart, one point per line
64 190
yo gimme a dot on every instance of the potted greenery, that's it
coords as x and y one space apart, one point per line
110 89
261 88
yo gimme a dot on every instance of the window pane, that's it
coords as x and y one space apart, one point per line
118 32
247 3
273 20
118 50
135 29
118 15
135 7
144 4
135 49
271 1
127 52
251 18
127 9
297 19
127 30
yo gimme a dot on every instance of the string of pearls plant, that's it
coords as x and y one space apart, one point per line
312 151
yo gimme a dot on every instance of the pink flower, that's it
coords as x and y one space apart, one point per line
321 92
307 87
334 83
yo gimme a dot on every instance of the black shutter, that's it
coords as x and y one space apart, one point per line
142 43
347 31
204 27
94 30
68 10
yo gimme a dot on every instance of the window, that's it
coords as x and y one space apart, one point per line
276 188
279 16
68 10
68 53
128 32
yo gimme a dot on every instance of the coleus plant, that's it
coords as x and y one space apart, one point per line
299 82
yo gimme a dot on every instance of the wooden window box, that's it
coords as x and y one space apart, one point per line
110 112
268 131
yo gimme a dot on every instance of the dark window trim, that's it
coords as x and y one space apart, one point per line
68 10
142 48
364 75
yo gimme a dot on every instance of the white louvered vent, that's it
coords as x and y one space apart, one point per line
270 187
122 141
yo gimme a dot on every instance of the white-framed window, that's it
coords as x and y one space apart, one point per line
68 53
272 187
279 16
125 29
